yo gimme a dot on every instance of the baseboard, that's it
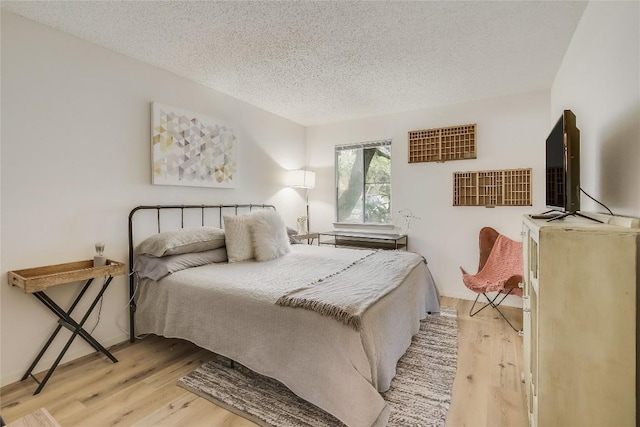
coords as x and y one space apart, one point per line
511 300
51 356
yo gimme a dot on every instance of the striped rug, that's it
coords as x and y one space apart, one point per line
420 394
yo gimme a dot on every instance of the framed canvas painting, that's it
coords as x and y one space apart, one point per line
191 149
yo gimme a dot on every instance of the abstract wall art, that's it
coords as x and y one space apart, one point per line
191 149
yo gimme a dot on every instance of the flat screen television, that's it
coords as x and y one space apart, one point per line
563 165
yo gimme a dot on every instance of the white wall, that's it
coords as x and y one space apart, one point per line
599 80
511 134
76 159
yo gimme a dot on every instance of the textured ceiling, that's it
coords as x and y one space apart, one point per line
321 62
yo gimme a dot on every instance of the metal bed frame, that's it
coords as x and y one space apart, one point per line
181 208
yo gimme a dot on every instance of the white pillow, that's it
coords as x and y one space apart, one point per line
269 234
238 238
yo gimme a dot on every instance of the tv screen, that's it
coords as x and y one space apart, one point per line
563 165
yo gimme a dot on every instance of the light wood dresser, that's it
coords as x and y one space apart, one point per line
580 322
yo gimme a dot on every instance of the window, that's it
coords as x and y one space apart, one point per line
363 183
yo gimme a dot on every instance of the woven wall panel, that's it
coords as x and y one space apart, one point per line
442 144
508 187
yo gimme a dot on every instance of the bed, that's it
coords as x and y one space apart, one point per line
335 354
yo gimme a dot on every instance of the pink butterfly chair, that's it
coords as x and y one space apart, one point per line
499 270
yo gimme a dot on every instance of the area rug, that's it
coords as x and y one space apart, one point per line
420 394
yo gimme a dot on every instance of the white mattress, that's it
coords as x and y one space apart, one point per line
230 309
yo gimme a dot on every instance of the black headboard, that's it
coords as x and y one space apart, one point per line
207 216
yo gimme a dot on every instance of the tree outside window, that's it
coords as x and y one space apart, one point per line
363 183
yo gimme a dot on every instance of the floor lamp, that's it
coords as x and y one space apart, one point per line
303 179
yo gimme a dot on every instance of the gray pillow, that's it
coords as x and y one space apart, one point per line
156 268
182 241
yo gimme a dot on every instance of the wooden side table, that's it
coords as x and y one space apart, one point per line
36 280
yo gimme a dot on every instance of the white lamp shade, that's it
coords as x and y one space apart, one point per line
301 178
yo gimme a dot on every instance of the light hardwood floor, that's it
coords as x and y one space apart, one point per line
141 390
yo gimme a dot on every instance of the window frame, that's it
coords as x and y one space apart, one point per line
362 145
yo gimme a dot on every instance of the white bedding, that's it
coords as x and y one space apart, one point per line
230 309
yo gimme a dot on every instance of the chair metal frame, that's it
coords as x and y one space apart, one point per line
491 303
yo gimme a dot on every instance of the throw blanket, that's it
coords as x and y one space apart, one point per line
505 261
346 294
